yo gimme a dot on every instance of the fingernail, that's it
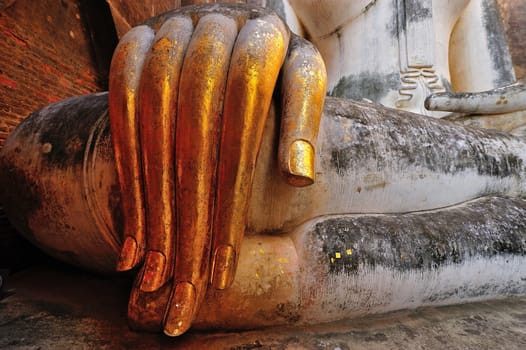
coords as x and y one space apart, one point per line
128 254
223 266
301 164
181 310
152 278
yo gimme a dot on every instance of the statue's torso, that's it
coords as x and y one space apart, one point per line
398 52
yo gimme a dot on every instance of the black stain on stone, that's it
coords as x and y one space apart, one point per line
472 331
487 227
20 188
289 311
54 138
377 337
341 160
369 85
407 11
394 25
369 6
115 204
416 10
497 42
376 142
66 127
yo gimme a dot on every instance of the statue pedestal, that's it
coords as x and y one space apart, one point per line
57 307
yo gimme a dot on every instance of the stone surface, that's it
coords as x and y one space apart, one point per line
409 260
56 307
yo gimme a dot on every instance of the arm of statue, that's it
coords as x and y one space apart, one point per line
189 95
505 99
480 65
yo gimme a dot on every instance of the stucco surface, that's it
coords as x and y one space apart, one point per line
56 307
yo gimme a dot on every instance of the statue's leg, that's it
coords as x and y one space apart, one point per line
363 264
378 160
346 266
60 183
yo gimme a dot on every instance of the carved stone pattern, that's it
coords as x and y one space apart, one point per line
409 82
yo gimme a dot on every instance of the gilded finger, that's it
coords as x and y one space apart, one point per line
157 115
126 66
256 61
304 82
201 89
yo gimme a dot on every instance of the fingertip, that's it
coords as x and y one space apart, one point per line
154 271
181 310
299 169
303 89
223 267
129 255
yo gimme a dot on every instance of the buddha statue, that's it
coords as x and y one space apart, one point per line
366 209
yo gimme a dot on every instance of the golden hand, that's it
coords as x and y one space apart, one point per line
189 95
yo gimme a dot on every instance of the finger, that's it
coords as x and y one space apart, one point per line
158 96
304 81
126 66
202 85
258 55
